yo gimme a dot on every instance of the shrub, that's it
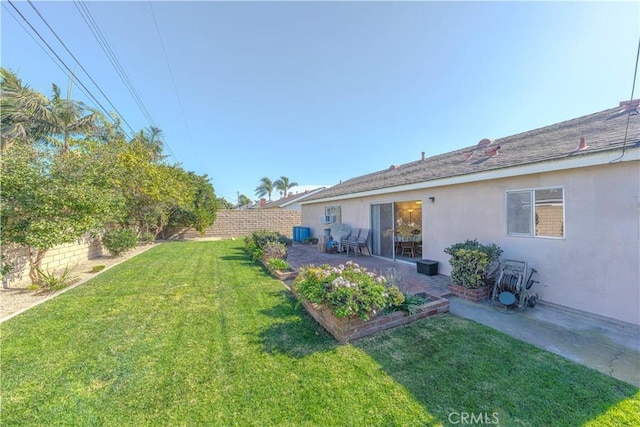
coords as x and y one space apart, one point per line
347 290
147 238
279 264
119 241
310 241
48 281
411 303
262 237
274 250
252 250
263 245
473 264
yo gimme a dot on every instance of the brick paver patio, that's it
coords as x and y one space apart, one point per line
410 280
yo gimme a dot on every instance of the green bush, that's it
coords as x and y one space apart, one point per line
146 238
279 264
119 241
473 264
411 303
263 245
274 250
262 237
347 290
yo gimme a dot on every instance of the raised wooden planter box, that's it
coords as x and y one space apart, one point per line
475 295
350 329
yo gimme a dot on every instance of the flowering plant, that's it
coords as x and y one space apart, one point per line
348 290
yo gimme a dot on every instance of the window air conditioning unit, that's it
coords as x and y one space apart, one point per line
327 219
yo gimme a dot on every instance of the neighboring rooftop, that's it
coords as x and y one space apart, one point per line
290 199
595 133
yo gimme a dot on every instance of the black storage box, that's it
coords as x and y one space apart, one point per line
428 267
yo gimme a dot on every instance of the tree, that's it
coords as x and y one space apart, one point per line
283 185
50 198
243 200
199 211
68 118
153 138
265 188
223 203
23 111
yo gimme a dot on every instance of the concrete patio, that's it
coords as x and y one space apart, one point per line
608 346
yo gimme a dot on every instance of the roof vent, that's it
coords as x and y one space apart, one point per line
628 107
582 145
484 143
492 152
392 167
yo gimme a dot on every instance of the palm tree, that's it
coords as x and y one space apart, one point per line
24 112
283 185
67 119
152 138
265 188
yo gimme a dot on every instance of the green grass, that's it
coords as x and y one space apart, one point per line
195 334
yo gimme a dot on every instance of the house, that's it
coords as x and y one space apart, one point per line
291 202
565 198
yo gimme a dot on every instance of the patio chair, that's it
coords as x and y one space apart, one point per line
361 242
408 248
350 238
339 232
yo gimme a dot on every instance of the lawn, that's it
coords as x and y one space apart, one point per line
192 333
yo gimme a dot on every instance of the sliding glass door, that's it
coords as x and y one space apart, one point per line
382 230
396 230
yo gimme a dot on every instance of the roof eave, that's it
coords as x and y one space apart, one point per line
558 164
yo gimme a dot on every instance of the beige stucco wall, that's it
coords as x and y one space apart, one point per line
594 268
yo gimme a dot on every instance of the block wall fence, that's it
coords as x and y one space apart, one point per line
228 224
56 259
238 223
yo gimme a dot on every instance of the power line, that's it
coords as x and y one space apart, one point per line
98 34
173 81
56 60
83 69
633 86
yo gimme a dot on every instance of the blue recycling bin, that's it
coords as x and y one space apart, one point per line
304 233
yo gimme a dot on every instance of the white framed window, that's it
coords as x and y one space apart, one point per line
335 212
536 212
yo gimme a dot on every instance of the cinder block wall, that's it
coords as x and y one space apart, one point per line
238 223
228 224
56 259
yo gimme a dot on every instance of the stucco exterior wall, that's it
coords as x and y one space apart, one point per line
594 268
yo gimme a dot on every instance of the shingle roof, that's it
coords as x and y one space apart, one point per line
291 198
603 131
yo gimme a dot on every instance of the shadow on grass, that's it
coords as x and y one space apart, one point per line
295 334
454 366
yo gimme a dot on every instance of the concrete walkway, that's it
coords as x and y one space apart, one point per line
605 345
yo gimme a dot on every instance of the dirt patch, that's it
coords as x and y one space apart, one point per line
18 298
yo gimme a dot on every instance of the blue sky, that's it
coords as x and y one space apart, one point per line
324 91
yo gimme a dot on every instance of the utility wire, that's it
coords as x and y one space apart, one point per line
633 86
98 34
83 69
66 70
173 81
